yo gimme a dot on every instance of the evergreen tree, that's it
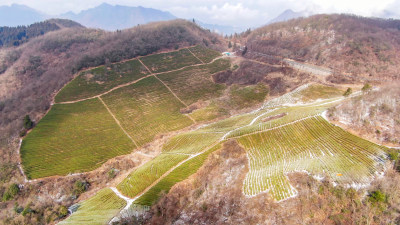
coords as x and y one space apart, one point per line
28 124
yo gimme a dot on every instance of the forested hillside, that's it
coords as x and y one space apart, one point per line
15 36
350 45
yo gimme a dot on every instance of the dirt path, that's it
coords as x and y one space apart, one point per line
104 93
170 90
131 200
196 56
135 81
117 121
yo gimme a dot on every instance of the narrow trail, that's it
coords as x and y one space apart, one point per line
170 90
251 123
191 156
20 162
172 169
117 121
130 201
195 56
147 68
104 93
135 81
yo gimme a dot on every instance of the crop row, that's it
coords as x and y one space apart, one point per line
98 80
204 54
272 119
195 83
169 61
191 142
145 109
99 209
177 175
92 82
147 174
312 145
73 138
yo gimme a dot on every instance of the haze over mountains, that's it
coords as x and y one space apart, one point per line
116 17
104 16
16 15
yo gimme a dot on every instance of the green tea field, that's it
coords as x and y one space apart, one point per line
73 138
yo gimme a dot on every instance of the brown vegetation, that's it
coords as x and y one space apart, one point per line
375 115
32 73
214 196
364 47
279 79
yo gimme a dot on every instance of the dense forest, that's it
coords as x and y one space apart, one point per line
15 36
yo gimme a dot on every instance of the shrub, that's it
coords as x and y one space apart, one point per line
27 210
18 209
377 197
23 132
348 92
366 87
80 187
112 173
28 124
12 191
393 154
63 211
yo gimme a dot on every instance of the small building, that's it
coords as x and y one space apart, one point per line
228 54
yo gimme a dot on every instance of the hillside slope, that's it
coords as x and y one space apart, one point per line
33 72
352 45
15 36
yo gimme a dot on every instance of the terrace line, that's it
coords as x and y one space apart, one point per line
135 81
117 121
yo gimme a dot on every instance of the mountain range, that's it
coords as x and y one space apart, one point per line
104 16
116 17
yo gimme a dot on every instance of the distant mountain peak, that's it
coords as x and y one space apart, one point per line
117 17
288 14
16 15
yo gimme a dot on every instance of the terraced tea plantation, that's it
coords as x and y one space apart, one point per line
111 110
311 145
97 210
191 143
195 83
177 175
204 54
93 82
73 138
170 61
145 109
144 176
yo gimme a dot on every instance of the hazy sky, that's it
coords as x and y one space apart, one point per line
247 13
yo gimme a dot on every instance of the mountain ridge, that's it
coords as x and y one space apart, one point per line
117 17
